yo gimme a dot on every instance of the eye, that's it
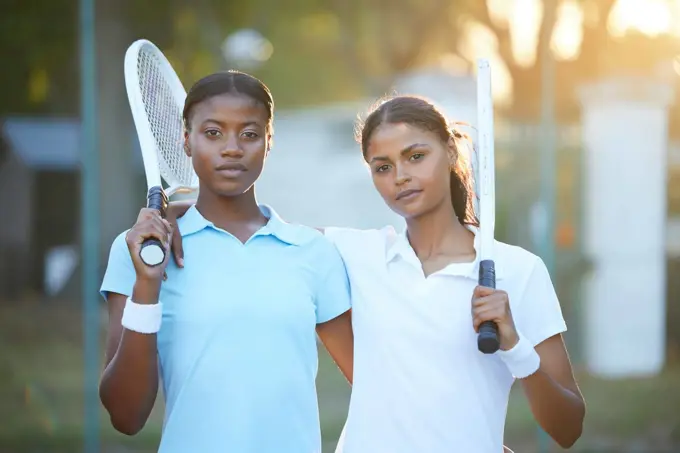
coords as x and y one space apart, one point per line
382 168
250 135
213 133
416 156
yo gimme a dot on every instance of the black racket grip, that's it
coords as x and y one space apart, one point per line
487 340
152 251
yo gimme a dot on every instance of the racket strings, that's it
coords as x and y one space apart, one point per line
165 119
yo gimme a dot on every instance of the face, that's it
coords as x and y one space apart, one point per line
228 142
410 168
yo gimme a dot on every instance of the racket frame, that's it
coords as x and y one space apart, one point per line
147 141
152 251
488 340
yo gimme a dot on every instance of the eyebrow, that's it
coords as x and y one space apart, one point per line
246 124
406 150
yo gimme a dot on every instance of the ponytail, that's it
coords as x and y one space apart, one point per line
462 188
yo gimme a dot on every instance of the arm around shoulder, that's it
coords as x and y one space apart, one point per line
333 304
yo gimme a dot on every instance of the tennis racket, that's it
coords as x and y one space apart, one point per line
487 340
156 98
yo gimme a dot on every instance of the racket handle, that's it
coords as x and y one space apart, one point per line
487 340
152 251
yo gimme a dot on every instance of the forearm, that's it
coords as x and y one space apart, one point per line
129 383
558 410
338 339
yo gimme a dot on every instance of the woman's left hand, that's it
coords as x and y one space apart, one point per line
490 304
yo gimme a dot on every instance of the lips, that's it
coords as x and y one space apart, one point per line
231 166
406 194
231 169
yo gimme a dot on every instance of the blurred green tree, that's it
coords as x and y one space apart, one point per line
324 50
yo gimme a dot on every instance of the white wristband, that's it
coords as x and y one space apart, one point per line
142 318
522 360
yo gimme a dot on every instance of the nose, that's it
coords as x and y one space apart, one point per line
231 148
402 176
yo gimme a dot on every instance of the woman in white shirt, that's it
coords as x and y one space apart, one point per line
420 384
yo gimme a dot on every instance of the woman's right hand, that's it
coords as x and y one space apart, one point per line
150 225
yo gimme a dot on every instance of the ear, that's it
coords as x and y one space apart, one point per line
187 150
270 143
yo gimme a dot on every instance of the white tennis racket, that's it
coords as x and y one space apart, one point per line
487 341
156 98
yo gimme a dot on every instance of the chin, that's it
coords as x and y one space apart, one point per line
408 211
230 189
416 208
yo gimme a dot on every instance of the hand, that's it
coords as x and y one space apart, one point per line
490 304
174 211
149 225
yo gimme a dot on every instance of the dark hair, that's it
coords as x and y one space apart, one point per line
229 82
419 112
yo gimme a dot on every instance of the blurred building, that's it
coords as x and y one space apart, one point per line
40 205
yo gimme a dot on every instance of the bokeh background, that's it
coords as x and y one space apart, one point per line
588 176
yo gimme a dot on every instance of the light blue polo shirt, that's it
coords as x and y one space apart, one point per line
237 346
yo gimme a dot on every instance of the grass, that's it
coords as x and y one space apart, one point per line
41 382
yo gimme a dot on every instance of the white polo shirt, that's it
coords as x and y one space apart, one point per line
420 383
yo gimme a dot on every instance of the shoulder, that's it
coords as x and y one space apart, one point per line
353 237
518 265
514 259
120 275
310 242
535 305
119 244
302 235
516 262
360 247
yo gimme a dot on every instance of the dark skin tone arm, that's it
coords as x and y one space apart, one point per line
129 383
338 339
554 397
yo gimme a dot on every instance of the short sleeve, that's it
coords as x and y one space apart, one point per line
120 273
539 315
333 293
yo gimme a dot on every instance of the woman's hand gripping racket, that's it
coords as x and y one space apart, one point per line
487 341
156 98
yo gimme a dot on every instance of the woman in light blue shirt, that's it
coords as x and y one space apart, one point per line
232 335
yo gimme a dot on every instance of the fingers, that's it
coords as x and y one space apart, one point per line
150 225
494 313
479 300
481 291
177 209
154 228
176 246
146 214
489 304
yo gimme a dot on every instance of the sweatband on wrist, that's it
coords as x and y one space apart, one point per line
142 318
522 360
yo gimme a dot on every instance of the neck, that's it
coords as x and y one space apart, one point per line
226 211
439 232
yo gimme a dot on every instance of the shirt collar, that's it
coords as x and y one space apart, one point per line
193 222
398 246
